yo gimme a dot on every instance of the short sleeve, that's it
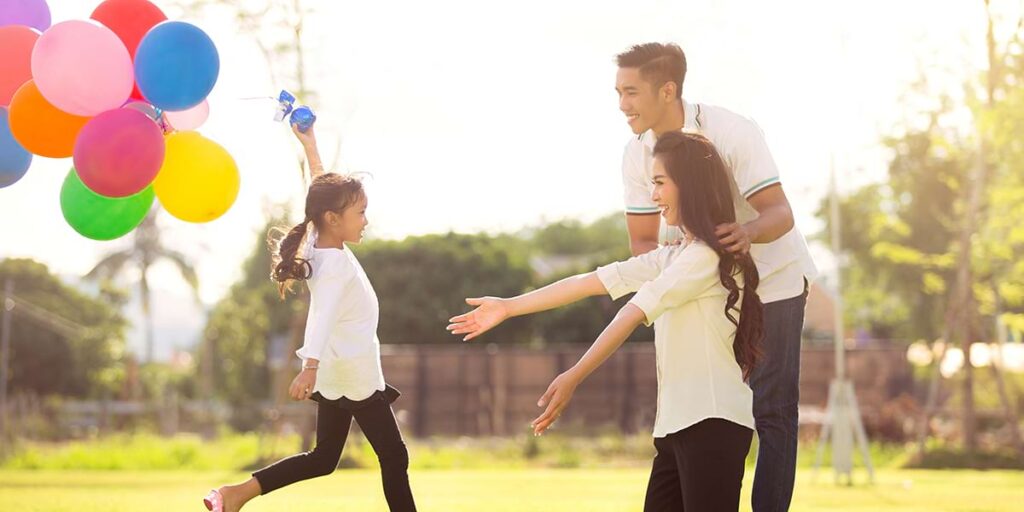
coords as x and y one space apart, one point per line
687 277
623 277
748 156
636 191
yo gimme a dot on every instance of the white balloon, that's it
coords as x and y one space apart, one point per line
189 119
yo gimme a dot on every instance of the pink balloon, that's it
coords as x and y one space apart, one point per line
82 68
119 152
189 119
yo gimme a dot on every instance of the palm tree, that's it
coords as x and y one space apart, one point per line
146 249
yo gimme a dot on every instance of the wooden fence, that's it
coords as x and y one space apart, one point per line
492 390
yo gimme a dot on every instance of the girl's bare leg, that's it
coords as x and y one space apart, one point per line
236 496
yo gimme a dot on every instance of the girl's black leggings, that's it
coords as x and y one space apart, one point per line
377 421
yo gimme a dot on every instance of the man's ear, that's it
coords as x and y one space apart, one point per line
667 92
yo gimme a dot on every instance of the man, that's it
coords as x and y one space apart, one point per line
649 83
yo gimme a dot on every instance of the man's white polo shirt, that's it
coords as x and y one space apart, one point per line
782 264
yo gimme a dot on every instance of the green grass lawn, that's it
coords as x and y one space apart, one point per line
492 490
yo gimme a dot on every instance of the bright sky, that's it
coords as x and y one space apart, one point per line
474 116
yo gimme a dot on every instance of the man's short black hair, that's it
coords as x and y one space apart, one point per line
658 63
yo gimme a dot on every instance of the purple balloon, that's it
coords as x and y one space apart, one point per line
31 13
119 152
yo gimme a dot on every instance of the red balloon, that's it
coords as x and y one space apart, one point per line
130 20
16 65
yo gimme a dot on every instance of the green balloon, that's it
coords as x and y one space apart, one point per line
98 217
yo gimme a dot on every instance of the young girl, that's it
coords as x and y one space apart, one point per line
341 354
710 327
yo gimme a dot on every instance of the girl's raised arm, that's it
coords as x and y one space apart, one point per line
308 140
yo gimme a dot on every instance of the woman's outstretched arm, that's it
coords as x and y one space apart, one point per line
557 397
491 311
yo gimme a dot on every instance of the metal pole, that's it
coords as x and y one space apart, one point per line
843 425
838 303
5 349
842 434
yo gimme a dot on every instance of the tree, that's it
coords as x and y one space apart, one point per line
82 361
899 235
940 234
1000 242
578 248
603 240
146 250
423 281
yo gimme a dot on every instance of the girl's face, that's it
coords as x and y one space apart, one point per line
350 224
666 194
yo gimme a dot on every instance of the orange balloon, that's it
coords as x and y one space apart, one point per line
40 127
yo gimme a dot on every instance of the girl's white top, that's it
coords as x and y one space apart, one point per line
341 329
698 377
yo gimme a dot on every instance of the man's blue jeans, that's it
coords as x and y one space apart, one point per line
776 385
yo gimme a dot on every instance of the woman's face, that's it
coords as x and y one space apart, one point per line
350 224
666 194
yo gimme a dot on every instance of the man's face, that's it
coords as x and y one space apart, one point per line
640 100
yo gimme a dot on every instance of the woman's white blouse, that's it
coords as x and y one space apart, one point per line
698 376
341 328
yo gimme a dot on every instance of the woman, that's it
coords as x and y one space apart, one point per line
708 339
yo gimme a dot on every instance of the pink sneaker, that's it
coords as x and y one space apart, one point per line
214 501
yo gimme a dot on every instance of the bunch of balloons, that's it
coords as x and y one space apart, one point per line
120 93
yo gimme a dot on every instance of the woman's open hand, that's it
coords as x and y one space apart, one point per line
490 312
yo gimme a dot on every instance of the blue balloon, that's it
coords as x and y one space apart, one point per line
176 66
14 159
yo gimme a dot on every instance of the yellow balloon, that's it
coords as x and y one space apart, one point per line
199 179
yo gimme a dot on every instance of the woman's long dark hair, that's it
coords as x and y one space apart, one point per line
706 201
328 192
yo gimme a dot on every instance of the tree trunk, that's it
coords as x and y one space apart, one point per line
147 315
964 293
